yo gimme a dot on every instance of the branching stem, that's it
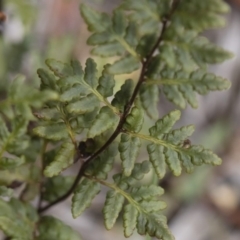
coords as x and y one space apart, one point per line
118 130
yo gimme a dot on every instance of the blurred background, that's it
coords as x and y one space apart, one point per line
201 206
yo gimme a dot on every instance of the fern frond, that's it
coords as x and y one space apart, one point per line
129 148
17 219
180 86
124 65
52 131
149 96
147 14
105 120
190 50
122 97
143 209
138 172
134 120
104 163
203 14
57 186
112 207
83 196
167 147
62 160
9 163
5 192
112 38
51 228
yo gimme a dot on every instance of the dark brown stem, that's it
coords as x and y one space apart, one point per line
123 117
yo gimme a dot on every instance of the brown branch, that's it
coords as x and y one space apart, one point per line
128 106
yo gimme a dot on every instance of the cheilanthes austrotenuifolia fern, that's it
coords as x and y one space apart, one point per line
79 117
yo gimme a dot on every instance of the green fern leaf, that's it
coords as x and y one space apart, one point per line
123 95
146 44
52 131
100 38
4 133
169 56
138 172
127 64
74 92
56 187
67 82
157 158
17 219
149 96
165 124
51 228
204 15
132 34
192 50
5 192
14 142
134 120
151 206
173 161
112 207
83 196
168 147
174 95
200 155
84 120
130 215
154 225
119 22
9 163
84 105
48 114
129 148
100 167
181 86
24 98
106 83
90 76
62 160
105 120
187 162
48 81
113 37
143 210
146 192
97 22
77 68
179 135
59 69
146 14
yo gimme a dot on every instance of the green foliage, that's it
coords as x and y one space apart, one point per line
83 196
5 192
52 228
17 219
78 116
112 37
55 187
104 163
129 149
143 205
167 147
62 160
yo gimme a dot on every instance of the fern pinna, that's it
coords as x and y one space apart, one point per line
78 116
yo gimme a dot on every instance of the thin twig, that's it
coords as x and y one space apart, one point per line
128 106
